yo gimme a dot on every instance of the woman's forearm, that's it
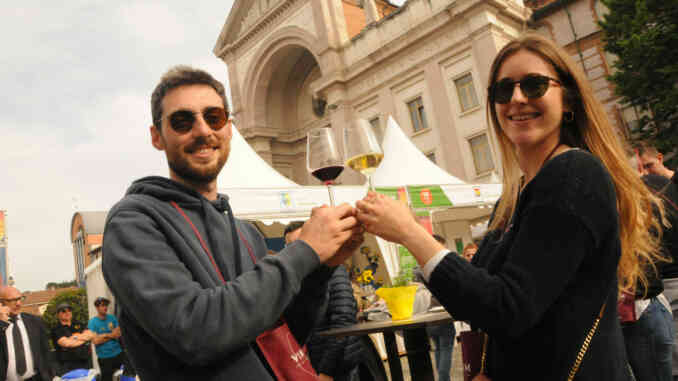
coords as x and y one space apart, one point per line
421 244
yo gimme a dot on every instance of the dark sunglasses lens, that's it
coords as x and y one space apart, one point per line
215 117
182 121
534 86
503 91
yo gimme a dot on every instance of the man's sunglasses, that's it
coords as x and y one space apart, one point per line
182 121
22 298
533 86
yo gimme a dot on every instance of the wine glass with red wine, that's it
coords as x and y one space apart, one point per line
323 158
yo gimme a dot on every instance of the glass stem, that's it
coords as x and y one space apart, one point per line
369 182
331 193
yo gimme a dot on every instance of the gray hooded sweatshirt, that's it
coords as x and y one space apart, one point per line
179 320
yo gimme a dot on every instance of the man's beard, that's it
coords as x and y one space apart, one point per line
180 165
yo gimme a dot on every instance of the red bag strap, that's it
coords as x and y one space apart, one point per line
204 245
202 242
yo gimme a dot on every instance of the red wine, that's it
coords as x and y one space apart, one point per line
328 173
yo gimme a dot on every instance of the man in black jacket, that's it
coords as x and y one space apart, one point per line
665 184
26 354
182 267
334 358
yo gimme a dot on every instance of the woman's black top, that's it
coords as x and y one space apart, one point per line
537 288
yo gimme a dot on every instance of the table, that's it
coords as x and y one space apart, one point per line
416 341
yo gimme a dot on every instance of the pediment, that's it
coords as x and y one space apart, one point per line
243 16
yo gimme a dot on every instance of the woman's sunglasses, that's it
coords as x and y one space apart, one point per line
532 86
182 121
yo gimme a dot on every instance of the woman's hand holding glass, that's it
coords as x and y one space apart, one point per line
393 221
383 216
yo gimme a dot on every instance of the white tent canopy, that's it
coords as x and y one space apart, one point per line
246 169
405 164
257 191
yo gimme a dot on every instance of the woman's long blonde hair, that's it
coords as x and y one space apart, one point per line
591 131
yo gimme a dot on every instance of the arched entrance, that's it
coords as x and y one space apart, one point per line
280 104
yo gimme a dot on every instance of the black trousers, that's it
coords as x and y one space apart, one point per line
109 365
67 366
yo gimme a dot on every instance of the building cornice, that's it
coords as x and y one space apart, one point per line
262 25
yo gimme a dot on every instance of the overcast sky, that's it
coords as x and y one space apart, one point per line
77 77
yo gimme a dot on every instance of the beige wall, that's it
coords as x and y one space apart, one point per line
587 48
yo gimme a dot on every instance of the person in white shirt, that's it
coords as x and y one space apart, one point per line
25 351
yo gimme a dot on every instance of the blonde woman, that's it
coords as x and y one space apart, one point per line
571 227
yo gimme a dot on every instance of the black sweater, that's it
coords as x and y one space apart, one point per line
537 288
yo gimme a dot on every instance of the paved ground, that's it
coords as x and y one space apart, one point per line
457 374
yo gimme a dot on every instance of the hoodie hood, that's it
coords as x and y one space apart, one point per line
166 189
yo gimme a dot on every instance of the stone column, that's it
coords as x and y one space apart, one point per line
334 22
371 12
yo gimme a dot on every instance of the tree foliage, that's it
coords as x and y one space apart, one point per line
643 34
78 301
57 285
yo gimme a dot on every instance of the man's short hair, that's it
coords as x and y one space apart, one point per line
63 307
292 226
440 239
645 147
101 300
470 246
182 75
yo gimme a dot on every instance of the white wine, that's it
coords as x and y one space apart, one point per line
365 163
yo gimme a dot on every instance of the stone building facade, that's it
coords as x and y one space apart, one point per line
573 24
298 64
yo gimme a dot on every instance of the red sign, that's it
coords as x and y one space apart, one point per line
426 196
426 222
402 195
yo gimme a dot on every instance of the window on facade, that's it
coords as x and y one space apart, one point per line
482 155
375 123
601 9
80 258
631 118
467 93
417 114
376 127
431 156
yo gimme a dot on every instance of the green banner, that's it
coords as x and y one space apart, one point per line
407 262
396 193
428 196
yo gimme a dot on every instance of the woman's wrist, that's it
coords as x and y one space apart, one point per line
421 244
413 235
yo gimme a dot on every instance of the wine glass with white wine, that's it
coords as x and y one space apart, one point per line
322 157
363 153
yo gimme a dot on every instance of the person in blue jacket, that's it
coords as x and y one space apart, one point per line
110 355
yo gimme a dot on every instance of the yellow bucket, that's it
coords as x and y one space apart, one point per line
400 300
